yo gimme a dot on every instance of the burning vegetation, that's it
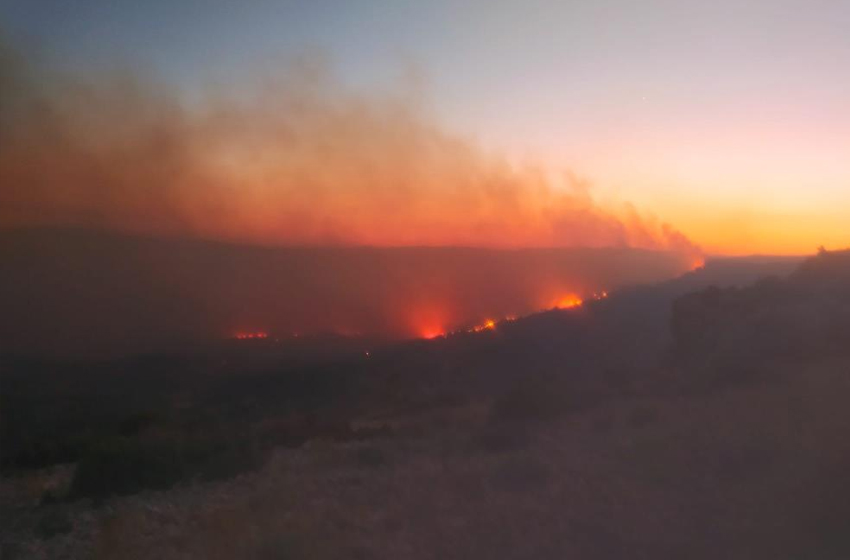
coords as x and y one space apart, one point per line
121 294
570 301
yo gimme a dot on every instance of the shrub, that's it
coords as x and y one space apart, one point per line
370 457
135 423
520 475
502 438
642 416
122 465
532 399
54 522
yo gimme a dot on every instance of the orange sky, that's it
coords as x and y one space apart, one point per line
437 122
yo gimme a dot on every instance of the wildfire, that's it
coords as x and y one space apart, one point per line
431 333
487 325
434 327
251 335
697 263
571 301
568 302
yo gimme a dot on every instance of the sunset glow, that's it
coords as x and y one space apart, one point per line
733 144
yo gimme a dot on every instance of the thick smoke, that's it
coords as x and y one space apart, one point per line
295 160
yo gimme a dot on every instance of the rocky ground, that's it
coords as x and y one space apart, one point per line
757 470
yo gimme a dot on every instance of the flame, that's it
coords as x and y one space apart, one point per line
568 302
487 325
432 320
697 263
428 318
430 333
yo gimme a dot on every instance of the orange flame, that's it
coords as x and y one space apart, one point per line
568 302
433 319
430 333
697 263
487 325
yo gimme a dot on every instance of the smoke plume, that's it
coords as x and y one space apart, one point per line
295 206
295 160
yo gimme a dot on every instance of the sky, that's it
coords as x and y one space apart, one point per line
728 119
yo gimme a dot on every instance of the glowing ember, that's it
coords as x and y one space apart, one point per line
250 335
697 263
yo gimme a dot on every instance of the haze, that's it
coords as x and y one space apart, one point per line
728 120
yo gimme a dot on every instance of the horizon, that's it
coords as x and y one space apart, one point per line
271 244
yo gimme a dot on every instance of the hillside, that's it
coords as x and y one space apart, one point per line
89 294
589 433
